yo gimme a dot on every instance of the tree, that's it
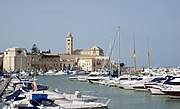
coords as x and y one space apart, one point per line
35 49
122 64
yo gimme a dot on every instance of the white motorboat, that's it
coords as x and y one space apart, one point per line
77 96
112 82
72 78
82 78
140 85
156 90
61 72
95 77
172 87
50 72
127 81
82 104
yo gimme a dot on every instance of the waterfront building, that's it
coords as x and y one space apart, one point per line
93 63
15 58
56 62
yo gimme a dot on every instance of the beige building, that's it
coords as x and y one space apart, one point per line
93 64
15 58
93 51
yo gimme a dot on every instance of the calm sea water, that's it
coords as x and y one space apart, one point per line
120 98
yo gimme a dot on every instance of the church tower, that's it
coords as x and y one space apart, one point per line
69 43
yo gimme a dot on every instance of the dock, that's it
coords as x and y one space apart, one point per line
3 84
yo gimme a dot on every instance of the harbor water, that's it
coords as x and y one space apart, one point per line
120 98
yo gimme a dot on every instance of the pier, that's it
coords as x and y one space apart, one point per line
3 84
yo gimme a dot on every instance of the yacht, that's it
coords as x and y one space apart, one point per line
172 87
95 77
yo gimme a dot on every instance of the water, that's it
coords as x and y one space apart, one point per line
120 98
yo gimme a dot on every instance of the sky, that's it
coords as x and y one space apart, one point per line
95 22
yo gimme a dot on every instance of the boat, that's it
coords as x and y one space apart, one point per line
172 87
82 104
72 72
155 85
96 77
50 72
156 90
112 82
61 72
126 81
50 100
77 96
36 101
158 84
82 78
72 78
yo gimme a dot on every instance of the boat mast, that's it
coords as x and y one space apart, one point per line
134 55
148 55
119 66
112 56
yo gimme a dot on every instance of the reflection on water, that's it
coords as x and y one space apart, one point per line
120 98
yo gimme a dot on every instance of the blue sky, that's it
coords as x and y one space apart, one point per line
95 22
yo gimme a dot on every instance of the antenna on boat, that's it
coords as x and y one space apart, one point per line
119 66
134 55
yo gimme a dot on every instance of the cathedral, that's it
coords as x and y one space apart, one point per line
93 51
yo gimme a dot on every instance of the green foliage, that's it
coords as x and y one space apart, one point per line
122 64
35 49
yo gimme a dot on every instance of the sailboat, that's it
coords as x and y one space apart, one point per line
128 83
134 55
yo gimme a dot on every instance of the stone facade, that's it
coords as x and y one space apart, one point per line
94 51
93 64
15 58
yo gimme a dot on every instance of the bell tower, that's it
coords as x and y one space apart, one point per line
69 43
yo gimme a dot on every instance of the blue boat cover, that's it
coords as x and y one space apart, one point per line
28 108
39 96
158 79
13 95
1 73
